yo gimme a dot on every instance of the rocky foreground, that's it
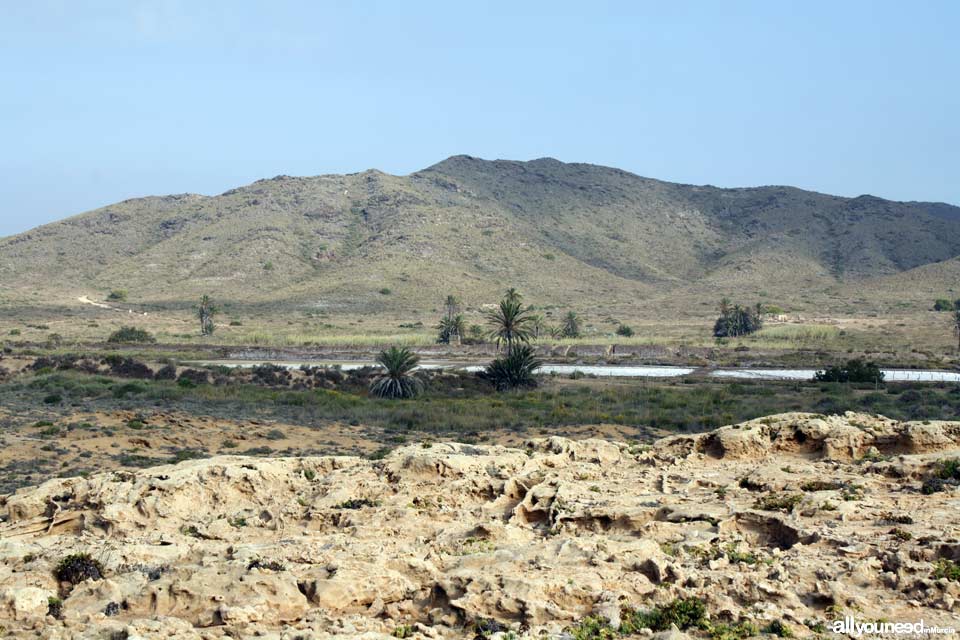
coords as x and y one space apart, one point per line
782 525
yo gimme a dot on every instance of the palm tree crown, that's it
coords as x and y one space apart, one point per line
510 321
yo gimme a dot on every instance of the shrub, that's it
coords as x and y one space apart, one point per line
946 569
821 485
592 628
131 334
78 567
514 370
128 368
779 628
942 304
685 613
855 370
778 502
55 607
385 291
192 377
736 631
625 331
357 503
166 372
269 565
949 469
931 486
117 295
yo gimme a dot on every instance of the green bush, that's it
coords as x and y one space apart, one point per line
946 569
942 304
117 295
625 331
949 469
685 613
131 334
855 370
78 567
778 502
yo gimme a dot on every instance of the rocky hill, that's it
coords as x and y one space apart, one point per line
371 241
781 524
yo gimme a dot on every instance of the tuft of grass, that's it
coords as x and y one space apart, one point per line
778 502
685 613
820 485
946 569
779 628
593 628
737 631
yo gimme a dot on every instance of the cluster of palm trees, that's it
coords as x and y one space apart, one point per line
511 322
512 326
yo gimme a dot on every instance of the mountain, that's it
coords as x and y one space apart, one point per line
571 234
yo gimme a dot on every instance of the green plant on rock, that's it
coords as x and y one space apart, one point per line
737 631
778 502
78 567
684 613
779 628
593 628
946 569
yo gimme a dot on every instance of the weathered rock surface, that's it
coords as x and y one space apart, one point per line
439 538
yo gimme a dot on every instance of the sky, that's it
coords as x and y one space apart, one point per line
103 101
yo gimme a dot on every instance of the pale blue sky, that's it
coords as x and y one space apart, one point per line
102 101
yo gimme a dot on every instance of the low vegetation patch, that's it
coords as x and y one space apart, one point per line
778 502
357 503
684 613
855 370
946 569
131 335
78 567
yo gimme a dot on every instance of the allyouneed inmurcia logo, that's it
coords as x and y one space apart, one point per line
850 627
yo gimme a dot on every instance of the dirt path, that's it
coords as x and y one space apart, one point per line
101 305
86 300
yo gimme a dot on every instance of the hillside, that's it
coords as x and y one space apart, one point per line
564 233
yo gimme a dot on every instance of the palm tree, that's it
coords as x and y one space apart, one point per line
398 380
514 370
205 312
452 306
513 295
956 323
571 325
510 321
451 329
537 325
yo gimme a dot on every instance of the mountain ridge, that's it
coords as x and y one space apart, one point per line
558 230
